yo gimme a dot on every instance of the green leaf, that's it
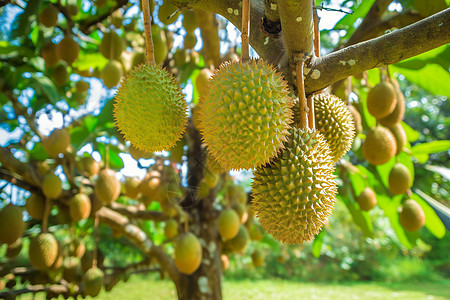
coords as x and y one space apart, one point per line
432 221
21 24
91 123
431 147
85 61
317 244
360 10
115 162
78 135
38 152
432 78
46 87
440 56
411 134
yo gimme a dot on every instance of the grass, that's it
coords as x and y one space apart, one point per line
139 287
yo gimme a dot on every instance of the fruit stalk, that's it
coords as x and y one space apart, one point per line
94 254
44 223
148 32
245 30
316 31
302 103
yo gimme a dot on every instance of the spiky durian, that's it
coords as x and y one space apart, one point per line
334 120
150 109
245 115
294 195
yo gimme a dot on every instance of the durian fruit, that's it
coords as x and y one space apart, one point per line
152 119
48 16
282 257
165 11
202 81
294 195
381 100
50 54
52 186
367 199
35 206
236 194
77 248
224 262
138 154
255 234
111 73
11 224
112 45
131 186
188 253
411 215
239 243
71 268
138 58
400 137
211 179
43 251
356 118
334 120
190 40
96 204
107 186
68 49
228 224
379 146
72 9
171 228
93 281
80 207
57 142
82 86
245 116
189 20
399 179
397 114
257 258
60 75
13 249
177 152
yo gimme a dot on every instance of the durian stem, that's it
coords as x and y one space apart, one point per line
348 88
107 156
186 224
245 30
44 224
302 103
148 32
94 254
311 116
316 31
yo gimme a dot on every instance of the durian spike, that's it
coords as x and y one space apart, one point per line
302 103
148 32
245 30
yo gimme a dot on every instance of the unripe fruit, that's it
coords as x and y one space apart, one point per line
397 114
71 268
60 75
356 118
43 251
228 224
255 234
211 179
190 40
13 249
367 199
225 262
132 187
35 206
399 179
171 228
241 210
138 58
68 50
138 154
379 146
93 281
107 186
165 11
236 194
79 207
89 165
57 142
239 243
72 9
151 186
411 216
202 81
111 73
52 186
77 248
49 53
49 16
11 224
381 100
112 45
82 86
257 258
188 253
400 137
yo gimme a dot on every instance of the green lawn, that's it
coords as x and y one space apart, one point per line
140 288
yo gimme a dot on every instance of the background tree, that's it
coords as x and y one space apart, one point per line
64 180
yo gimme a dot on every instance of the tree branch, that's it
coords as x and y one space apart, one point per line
391 48
85 26
135 213
210 35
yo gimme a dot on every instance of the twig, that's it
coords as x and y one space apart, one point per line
148 32
316 31
302 102
95 252
245 30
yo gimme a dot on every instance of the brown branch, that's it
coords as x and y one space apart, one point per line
245 29
134 212
316 32
391 48
56 289
271 10
301 94
148 32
